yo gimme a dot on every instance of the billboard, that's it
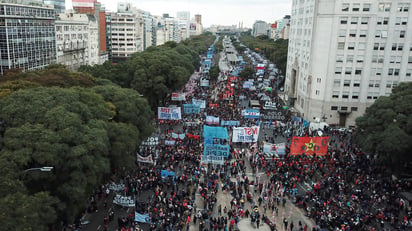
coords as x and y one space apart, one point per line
192 26
83 3
124 7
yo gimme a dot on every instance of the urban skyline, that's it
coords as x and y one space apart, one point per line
213 12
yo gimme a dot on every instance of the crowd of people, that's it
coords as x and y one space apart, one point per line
346 189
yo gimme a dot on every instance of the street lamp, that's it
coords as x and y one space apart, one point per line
42 169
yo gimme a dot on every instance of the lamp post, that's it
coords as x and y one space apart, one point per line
41 169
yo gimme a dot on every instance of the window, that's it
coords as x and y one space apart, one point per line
385 21
363 33
364 20
404 21
345 6
371 82
398 20
408 73
395 84
334 108
410 59
342 33
384 34
402 34
358 72
351 46
379 21
355 95
377 83
354 20
345 95
384 7
392 59
378 34
343 20
346 83
339 58
388 84
335 95
317 92
396 72
397 46
354 108
338 70
360 58
356 83
390 71
352 33
403 7
349 58
370 95
355 7
341 45
348 70
366 7
336 83
343 108
361 46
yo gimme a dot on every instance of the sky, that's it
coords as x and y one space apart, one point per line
214 12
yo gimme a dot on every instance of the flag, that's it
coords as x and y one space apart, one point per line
309 145
142 218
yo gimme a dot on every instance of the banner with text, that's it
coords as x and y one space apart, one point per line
204 82
212 160
169 113
251 113
191 108
230 123
212 120
274 149
245 134
144 159
216 150
200 102
309 145
178 97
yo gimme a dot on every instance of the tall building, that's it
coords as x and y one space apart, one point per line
95 8
260 28
59 5
27 36
183 19
72 40
344 54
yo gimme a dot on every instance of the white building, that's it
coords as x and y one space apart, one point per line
127 34
344 54
93 44
260 28
72 40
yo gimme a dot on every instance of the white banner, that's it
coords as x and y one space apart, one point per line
178 96
212 160
123 201
245 134
211 120
274 149
169 113
151 141
147 159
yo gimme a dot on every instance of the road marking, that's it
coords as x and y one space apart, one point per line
99 227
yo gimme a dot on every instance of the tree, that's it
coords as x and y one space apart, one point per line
386 127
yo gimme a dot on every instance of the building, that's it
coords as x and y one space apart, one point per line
183 19
108 26
59 5
93 7
27 36
260 28
343 55
280 29
72 40
127 34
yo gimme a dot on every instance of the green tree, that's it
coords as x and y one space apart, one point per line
386 127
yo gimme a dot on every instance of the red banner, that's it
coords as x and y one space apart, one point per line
309 145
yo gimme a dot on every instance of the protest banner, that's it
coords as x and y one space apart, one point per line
245 134
169 113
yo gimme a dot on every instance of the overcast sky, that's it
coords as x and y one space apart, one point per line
218 12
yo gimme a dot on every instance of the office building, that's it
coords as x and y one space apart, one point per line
27 36
59 5
343 55
260 28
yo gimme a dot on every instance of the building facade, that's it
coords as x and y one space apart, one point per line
72 39
59 5
27 37
260 28
344 54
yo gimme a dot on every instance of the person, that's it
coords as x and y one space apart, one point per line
285 222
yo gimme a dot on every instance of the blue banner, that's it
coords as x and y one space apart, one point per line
215 132
251 114
230 123
142 218
191 108
297 119
216 150
306 123
166 173
200 102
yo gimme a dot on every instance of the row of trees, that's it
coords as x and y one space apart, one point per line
275 51
158 71
83 125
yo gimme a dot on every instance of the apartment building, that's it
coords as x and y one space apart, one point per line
344 54
260 28
27 36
